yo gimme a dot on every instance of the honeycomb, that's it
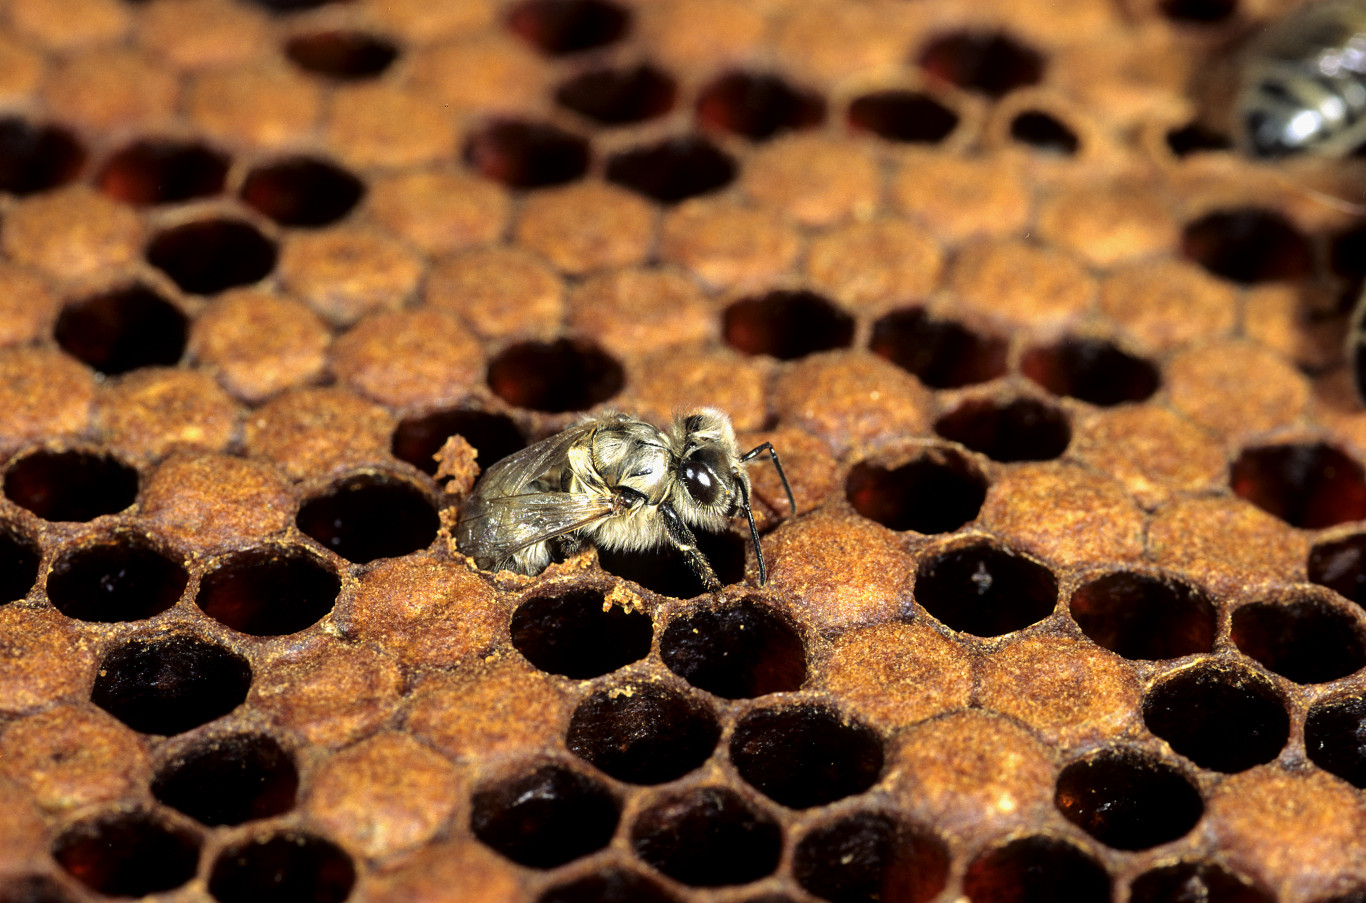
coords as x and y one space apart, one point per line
1071 604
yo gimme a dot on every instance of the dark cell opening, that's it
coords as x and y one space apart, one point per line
493 436
342 55
155 171
757 106
123 330
1220 717
1310 486
708 838
1195 139
34 889
545 818
1248 246
736 651
570 634
125 578
938 492
127 854
559 376
1200 12
229 780
1044 133
1036 870
269 591
906 116
526 154
19 557
558 27
284 868
664 570
370 516
1309 640
71 485
1347 253
941 353
985 590
1128 800
302 191
786 324
1340 565
673 170
1194 882
1144 617
871 858
609 885
988 62
643 733
1023 429
36 158
1091 370
211 256
170 684
804 756
1333 735
618 96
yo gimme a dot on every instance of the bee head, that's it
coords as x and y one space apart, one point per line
708 467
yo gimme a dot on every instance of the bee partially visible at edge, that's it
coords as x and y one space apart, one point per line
615 483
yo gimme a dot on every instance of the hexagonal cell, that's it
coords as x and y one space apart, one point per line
1195 138
493 436
18 888
210 256
559 27
987 62
269 591
735 651
1036 868
1127 799
709 837
19 557
869 857
757 105
943 354
1203 881
523 154
1220 716
170 684
370 516
127 854
559 376
643 733
545 818
1198 12
1340 565
229 780
1332 737
938 491
570 634
341 55
1307 639
786 324
163 171
805 755
71 486
1022 429
673 170
126 577
1141 616
302 191
282 868
1248 246
1091 370
908 117
609 885
985 590
1045 133
1310 485
122 330
36 158
665 571
618 96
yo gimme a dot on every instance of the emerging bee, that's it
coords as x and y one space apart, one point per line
616 483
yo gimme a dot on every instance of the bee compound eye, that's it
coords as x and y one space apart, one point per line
701 482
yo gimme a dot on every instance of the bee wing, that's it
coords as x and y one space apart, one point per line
511 475
538 516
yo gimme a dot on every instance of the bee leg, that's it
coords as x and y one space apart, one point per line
685 542
778 465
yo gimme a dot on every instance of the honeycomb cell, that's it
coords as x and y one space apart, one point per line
1308 638
122 330
124 578
1248 246
869 857
1197 12
1332 738
229 780
1194 138
210 256
1340 565
282 868
156 171
19 556
643 733
345 56
944 354
570 634
560 27
1222 717
71 485
523 154
609 885
170 684
1310 485
665 571
302 191
269 591
493 436
1044 133
736 651
757 105
1091 370
805 755
559 376
985 590
938 491
1036 869
127 854
673 170
1202 881
546 817
786 324
1022 429
1142 616
370 516
1128 800
709 837
35 158
618 96
987 62
908 117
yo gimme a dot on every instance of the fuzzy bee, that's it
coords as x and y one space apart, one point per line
613 482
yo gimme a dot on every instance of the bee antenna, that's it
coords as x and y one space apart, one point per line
753 531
